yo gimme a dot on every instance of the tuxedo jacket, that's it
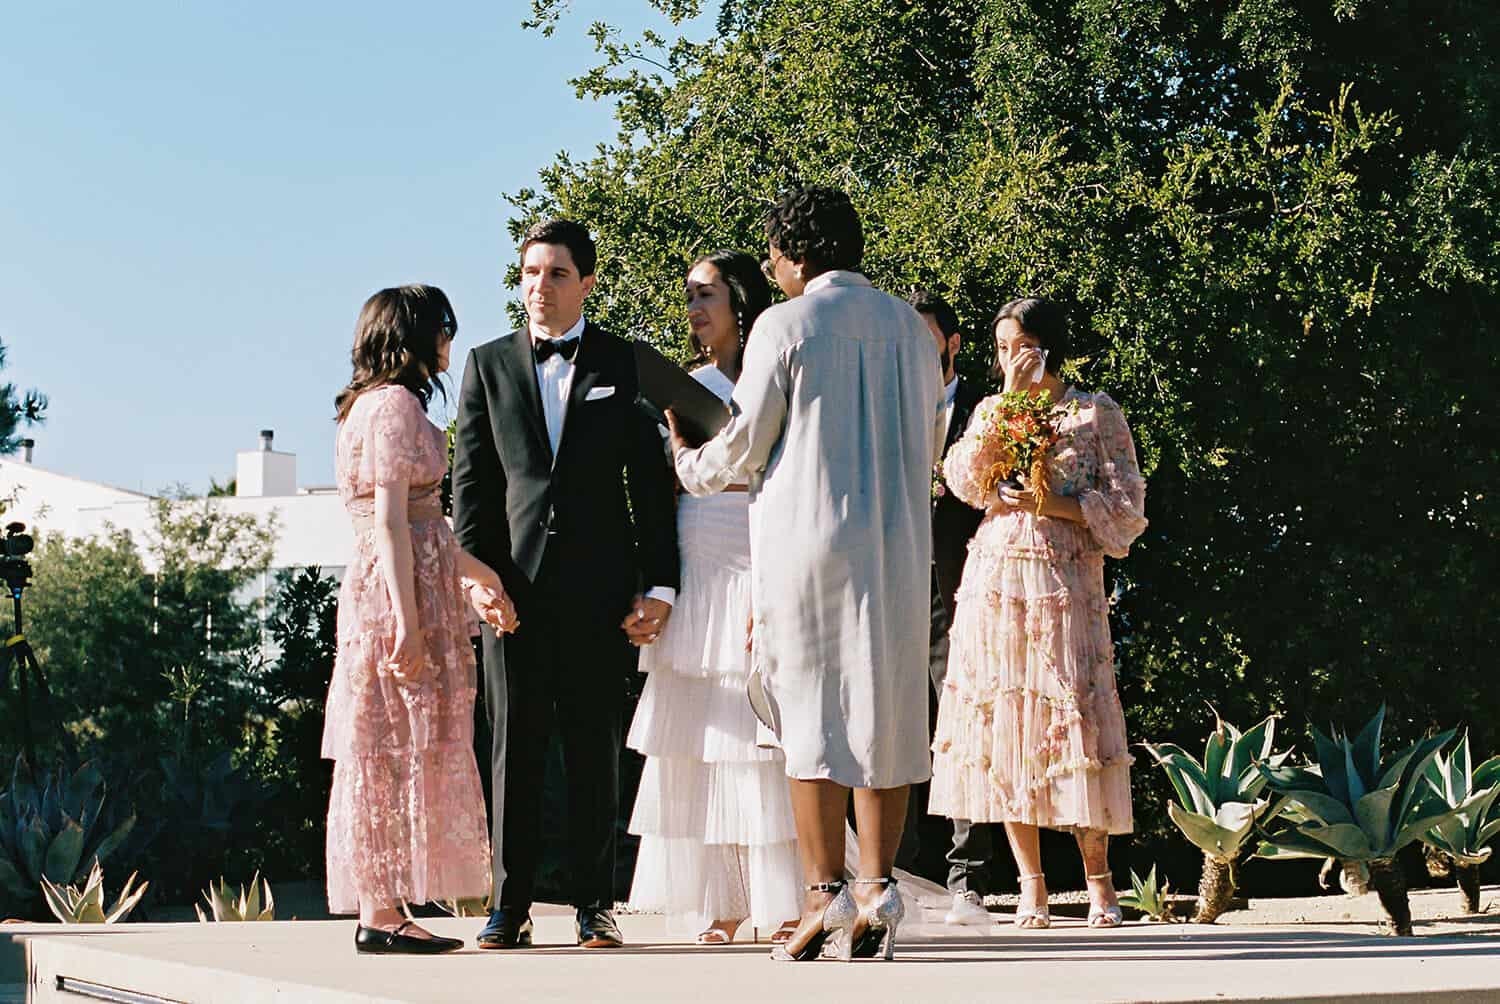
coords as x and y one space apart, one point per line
953 520
521 510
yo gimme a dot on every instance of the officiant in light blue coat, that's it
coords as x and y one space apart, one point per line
837 421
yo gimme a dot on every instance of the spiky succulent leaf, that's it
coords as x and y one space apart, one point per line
1210 835
126 901
65 853
1215 752
1331 759
1291 844
112 840
1346 841
11 880
1410 786
1186 776
1365 754
1373 814
33 846
1317 805
1487 774
1252 745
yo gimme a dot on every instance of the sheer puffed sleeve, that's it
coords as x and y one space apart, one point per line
969 467
392 451
1115 511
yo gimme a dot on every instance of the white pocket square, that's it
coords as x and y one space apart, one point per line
597 393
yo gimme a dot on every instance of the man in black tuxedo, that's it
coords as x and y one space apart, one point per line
548 439
953 524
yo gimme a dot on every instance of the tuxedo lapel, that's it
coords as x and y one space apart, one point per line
520 369
965 397
585 377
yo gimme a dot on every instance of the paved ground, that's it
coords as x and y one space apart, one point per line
1331 960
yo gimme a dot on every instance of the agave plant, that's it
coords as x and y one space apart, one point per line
241 905
1219 802
1144 895
72 905
55 831
1351 806
1454 782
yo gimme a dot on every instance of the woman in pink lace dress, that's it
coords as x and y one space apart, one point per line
1030 730
406 819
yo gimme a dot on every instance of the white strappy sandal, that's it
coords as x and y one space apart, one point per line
1033 919
1105 916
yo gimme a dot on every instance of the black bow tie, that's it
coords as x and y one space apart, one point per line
545 347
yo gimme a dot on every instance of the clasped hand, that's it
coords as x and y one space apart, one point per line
646 620
1010 499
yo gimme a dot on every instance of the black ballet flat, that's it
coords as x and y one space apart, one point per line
374 941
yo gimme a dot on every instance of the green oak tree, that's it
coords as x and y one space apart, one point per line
1276 225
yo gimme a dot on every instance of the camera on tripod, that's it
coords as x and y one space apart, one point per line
14 546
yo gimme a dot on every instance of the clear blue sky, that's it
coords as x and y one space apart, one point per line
195 199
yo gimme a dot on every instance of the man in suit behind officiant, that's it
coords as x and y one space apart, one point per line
548 441
953 524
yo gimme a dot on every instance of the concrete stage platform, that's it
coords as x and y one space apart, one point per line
314 961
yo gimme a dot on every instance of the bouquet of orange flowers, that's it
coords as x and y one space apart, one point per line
1016 430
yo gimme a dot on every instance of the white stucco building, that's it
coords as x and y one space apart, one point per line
312 528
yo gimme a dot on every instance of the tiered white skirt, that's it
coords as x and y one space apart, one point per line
713 811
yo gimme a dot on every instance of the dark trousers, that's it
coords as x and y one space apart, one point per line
973 843
557 675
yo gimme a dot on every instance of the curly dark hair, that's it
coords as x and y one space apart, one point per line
570 234
749 292
817 226
1046 321
396 341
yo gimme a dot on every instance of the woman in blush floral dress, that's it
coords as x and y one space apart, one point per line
406 819
718 844
1030 730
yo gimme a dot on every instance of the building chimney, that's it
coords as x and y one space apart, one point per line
264 472
27 445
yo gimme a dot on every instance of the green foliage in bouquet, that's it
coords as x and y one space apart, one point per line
1219 802
1151 899
55 831
1471 792
72 905
1352 806
240 905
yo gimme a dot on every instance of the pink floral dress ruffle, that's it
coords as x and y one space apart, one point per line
1030 727
406 819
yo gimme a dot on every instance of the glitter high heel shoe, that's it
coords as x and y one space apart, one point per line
881 916
1105 916
838 921
1035 919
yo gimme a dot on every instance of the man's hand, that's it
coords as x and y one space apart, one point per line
645 621
494 606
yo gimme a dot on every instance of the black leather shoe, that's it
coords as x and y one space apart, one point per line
597 928
508 927
374 941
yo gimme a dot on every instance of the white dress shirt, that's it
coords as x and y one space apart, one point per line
554 379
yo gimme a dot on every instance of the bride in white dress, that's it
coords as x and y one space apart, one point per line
718 844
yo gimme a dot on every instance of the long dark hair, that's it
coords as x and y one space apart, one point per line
1044 320
749 292
396 341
